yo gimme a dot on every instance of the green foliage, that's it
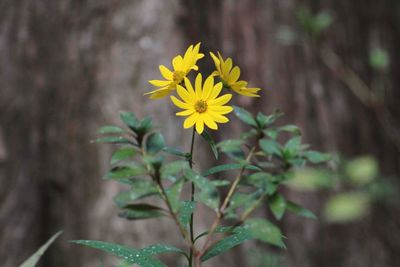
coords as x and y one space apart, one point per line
362 170
314 25
346 207
142 257
378 58
151 169
34 259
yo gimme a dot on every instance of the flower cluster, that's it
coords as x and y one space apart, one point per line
203 103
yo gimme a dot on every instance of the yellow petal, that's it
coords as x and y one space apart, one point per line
217 63
220 109
191 120
159 93
178 63
197 85
180 104
209 121
199 125
215 91
184 94
222 100
217 117
234 75
226 67
185 112
189 87
160 83
165 72
208 87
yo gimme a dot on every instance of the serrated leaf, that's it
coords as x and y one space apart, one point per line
270 147
140 189
208 192
227 243
114 140
299 210
261 120
244 116
121 172
140 211
316 157
265 231
174 192
211 142
277 204
33 260
175 152
263 181
170 170
292 146
110 129
122 154
185 211
133 256
227 167
291 129
129 119
155 143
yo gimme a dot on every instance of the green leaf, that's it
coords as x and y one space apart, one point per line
244 116
160 248
140 189
33 260
185 211
140 211
222 230
110 129
227 167
362 170
208 192
265 231
170 170
175 152
292 147
211 142
174 192
227 243
378 58
308 179
291 129
299 210
262 120
114 140
145 125
130 171
270 147
346 207
322 21
277 204
316 157
263 181
232 147
129 119
122 154
155 143
133 256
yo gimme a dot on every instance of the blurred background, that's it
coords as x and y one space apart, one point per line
69 66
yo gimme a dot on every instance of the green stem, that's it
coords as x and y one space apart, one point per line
192 199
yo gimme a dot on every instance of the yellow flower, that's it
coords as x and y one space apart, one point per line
230 76
202 104
181 67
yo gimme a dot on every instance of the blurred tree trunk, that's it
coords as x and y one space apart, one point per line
49 59
315 91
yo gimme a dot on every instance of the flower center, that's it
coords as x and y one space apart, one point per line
177 76
200 106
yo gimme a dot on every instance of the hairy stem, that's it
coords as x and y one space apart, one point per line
224 205
192 199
